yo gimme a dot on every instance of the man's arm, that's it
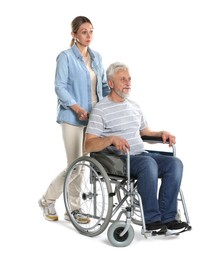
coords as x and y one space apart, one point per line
164 134
94 143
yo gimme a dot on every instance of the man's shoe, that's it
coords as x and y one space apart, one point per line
49 211
156 228
175 227
79 216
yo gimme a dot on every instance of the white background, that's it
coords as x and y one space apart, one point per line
173 51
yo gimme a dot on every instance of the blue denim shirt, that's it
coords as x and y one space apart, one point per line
73 83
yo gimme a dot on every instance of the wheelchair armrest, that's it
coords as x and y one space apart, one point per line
153 139
156 139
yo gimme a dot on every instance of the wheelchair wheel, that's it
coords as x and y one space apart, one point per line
88 177
114 232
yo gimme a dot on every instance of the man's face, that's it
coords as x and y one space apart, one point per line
121 83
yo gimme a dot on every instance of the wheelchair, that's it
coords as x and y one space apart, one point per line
108 196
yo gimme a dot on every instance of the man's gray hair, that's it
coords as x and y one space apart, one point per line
114 67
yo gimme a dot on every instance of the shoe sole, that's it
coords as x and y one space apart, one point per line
158 232
45 216
66 217
155 232
177 231
50 219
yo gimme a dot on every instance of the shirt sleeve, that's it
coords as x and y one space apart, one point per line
61 81
96 123
143 122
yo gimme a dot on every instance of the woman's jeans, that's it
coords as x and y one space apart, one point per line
159 204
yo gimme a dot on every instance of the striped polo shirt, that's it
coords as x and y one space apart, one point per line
124 119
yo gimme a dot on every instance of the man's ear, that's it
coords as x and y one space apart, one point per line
110 83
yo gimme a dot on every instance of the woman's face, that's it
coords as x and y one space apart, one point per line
84 35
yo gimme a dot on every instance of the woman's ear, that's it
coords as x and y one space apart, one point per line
73 35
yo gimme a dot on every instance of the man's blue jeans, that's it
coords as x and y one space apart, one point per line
148 168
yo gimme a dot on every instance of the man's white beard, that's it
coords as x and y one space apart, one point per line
120 94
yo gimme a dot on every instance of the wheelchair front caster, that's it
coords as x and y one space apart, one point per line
114 232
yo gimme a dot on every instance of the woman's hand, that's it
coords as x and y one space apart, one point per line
82 114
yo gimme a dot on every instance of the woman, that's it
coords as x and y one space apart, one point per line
80 81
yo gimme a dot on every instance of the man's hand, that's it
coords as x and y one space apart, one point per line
120 144
166 136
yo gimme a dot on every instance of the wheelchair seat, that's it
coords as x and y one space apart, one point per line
113 164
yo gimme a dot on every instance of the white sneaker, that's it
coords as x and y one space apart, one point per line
49 211
79 216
